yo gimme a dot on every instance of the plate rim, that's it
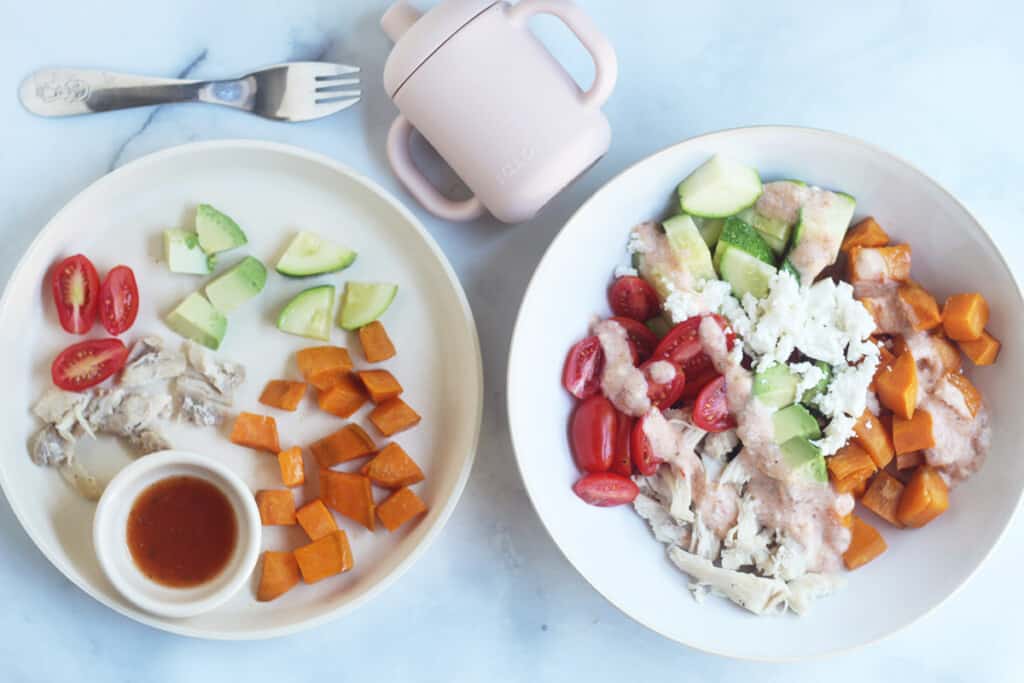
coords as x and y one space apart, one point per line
512 369
306 155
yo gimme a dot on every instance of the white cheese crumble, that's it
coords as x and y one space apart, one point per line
626 271
707 296
809 374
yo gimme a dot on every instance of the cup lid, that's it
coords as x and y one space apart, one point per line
418 37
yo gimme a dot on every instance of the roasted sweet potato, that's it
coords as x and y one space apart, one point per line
380 385
327 556
883 497
348 443
279 575
972 397
879 264
871 435
851 461
964 316
982 351
867 233
349 494
290 462
922 309
925 497
915 434
322 365
392 468
947 351
256 431
896 386
277 507
855 484
393 416
344 398
399 508
376 344
315 519
906 461
283 394
865 544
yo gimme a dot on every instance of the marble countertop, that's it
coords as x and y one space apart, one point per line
937 83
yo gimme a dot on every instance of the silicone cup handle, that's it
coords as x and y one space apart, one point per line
606 65
405 170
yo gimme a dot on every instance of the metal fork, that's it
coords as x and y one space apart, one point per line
297 91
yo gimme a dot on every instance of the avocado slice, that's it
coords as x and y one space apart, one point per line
804 460
775 386
184 255
196 319
217 231
237 285
794 421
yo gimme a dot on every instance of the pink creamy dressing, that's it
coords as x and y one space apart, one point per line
660 257
781 201
661 372
623 384
811 256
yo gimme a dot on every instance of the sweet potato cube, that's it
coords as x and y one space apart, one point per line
982 351
897 386
393 416
925 497
867 233
349 494
256 431
277 507
279 575
380 384
348 443
283 394
327 556
290 462
851 461
906 461
344 398
376 344
948 352
915 434
865 544
392 468
922 309
883 497
972 397
871 435
964 316
855 484
315 519
322 361
879 264
399 508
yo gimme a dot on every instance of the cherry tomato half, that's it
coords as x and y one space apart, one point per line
683 347
622 462
711 411
583 366
663 392
644 341
592 434
605 489
644 459
119 300
75 287
695 383
633 297
88 363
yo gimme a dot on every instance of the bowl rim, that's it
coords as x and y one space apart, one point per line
113 501
512 371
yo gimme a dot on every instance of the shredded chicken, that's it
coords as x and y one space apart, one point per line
149 361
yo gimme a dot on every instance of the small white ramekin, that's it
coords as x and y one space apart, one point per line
110 539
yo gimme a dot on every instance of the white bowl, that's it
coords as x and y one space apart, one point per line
613 549
110 535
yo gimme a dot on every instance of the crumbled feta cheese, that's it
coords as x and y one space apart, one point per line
809 376
707 296
626 271
636 244
873 405
837 433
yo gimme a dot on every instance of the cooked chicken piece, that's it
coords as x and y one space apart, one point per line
149 361
100 409
135 412
755 593
148 440
223 375
49 448
62 409
80 480
200 411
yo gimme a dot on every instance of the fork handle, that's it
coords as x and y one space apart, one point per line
68 92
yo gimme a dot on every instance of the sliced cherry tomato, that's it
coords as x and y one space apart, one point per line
75 287
592 434
711 411
644 341
582 374
644 459
622 462
682 345
695 383
663 393
88 363
606 489
633 297
119 300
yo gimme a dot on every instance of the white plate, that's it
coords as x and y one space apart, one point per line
272 191
613 549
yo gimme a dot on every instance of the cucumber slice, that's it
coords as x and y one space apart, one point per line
237 285
710 229
184 255
217 232
774 232
745 273
689 247
738 234
787 267
821 387
795 421
196 319
776 386
364 302
824 219
720 187
308 314
309 254
805 460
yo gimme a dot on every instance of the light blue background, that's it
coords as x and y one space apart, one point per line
939 83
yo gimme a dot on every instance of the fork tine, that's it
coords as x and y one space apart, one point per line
330 98
334 105
326 70
328 85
